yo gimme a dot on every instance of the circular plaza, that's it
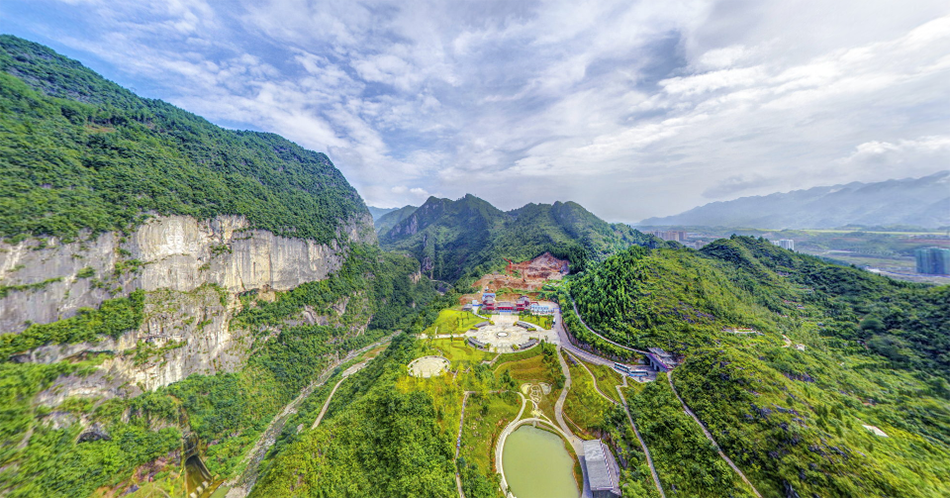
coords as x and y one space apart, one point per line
428 366
504 336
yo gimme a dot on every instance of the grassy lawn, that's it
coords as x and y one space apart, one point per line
485 418
583 404
532 369
607 379
457 351
509 358
545 321
452 322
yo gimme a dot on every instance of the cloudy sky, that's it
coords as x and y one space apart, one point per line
631 108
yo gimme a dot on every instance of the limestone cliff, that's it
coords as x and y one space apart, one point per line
48 280
192 272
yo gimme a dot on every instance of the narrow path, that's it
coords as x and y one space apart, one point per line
575 441
710 438
593 378
241 484
592 331
643 445
323 411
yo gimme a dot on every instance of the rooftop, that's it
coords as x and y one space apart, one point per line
601 467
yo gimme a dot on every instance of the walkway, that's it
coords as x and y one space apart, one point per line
566 343
241 485
346 373
689 412
643 445
594 379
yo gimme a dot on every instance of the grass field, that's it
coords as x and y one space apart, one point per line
607 379
545 321
583 404
532 369
457 351
452 322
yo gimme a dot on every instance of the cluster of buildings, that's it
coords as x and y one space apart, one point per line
785 244
523 303
677 235
933 260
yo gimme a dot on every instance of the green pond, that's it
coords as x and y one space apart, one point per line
537 465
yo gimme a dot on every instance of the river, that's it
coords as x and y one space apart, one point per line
537 465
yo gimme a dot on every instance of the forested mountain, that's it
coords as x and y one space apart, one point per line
823 351
387 221
164 280
80 152
919 202
183 305
469 236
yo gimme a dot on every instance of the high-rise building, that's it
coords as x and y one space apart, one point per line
785 244
933 260
677 235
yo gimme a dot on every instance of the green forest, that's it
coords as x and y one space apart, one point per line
815 379
458 241
832 349
79 153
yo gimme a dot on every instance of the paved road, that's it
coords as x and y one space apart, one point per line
566 343
689 412
349 371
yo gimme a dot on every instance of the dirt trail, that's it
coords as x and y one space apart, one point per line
710 438
643 445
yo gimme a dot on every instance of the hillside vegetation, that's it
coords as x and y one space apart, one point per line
387 221
468 237
78 152
831 350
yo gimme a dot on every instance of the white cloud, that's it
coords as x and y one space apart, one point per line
633 109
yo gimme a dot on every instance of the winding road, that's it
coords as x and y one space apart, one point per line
241 485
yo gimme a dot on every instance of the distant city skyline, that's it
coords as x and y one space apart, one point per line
632 109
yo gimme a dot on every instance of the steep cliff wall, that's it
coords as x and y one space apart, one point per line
192 272
48 280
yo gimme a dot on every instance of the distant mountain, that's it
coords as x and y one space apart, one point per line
385 222
923 202
469 236
379 212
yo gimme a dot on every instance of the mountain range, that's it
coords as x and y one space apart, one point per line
918 202
469 236
187 310
393 216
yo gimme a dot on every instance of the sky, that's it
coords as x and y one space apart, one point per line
631 108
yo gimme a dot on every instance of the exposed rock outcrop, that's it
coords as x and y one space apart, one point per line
48 280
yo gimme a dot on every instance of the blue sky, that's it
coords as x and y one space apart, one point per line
633 109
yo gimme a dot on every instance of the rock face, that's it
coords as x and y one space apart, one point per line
192 272
50 280
183 333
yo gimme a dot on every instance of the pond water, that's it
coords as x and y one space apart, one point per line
537 465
